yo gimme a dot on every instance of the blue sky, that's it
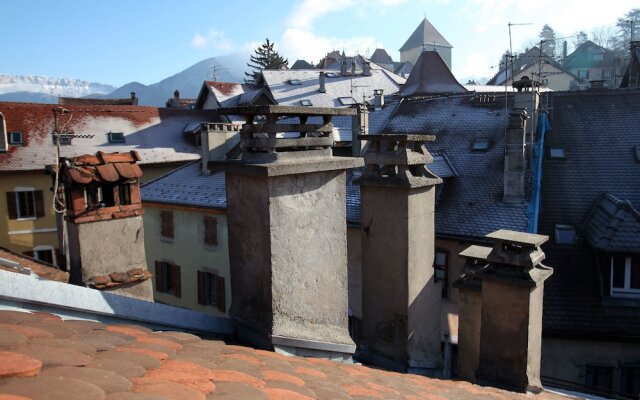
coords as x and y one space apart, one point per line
118 41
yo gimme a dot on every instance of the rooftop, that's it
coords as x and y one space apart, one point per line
19 263
45 357
425 34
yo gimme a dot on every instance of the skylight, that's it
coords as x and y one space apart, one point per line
295 82
116 137
306 103
565 235
557 153
480 144
330 74
15 138
347 101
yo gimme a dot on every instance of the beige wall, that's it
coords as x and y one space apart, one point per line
187 250
558 81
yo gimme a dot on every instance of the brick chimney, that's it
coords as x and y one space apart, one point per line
321 83
400 300
4 141
287 233
104 223
515 157
218 139
512 286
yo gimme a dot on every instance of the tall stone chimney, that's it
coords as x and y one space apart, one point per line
321 83
4 141
366 69
217 140
515 157
286 213
400 300
134 99
359 126
512 287
104 223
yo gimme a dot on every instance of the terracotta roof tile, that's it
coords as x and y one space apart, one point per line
41 269
122 362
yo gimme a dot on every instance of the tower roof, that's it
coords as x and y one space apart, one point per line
431 76
425 33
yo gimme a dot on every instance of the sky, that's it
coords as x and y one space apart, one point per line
117 41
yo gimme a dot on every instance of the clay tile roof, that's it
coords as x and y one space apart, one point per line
110 167
14 262
94 361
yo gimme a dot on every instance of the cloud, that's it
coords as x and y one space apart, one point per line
302 44
213 39
308 11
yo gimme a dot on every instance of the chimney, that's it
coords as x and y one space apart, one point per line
400 299
378 99
343 67
597 84
359 126
217 140
285 215
176 99
104 223
4 141
564 49
512 287
353 66
366 69
515 159
134 100
321 83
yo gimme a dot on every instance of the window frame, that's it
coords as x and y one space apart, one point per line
594 371
15 209
627 291
564 228
557 153
295 82
210 231
167 225
583 73
116 137
347 101
306 103
45 248
13 142
481 145
211 290
168 278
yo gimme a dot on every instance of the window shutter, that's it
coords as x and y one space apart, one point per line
39 203
11 205
159 274
220 295
202 288
213 227
175 276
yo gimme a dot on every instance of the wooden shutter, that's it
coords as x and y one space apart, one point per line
175 280
210 230
220 295
12 207
202 277
159 274
166 220
39 200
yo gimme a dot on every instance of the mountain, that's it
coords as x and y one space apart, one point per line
33 88
229 68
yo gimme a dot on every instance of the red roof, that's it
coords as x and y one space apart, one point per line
43 270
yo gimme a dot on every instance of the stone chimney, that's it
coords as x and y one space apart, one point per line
366 69
512 285
353 65
4 141
378 99
104 223
343 66
515 157
321 83
217 140
359 126
287 233
134 99
400 300
176 99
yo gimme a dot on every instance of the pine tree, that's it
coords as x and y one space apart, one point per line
265 57
548 42
624 24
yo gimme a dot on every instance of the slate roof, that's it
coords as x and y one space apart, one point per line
470 204
431 76
380 56
613 225
155 133
45 357
301 64
425 33
598 130
187 186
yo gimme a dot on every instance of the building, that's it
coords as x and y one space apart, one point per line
425 37
29 225
590 62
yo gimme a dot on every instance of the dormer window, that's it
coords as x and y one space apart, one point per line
480 145
116 137
347 101
295 82
625 276
15 138
306 103
557 153
565 235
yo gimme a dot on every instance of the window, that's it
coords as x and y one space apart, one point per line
116 137
347 101
598 376
15 138
441 267
630 384
583 73
168 278
124 194
92 197
25 204
306 103
45 254
295 82
166 224
330 74
210 230
607 74
557 153
480 144
625 276
211 290
565 235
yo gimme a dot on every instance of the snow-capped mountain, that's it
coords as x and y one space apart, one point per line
65 87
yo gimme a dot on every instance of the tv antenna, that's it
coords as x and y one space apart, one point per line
215 69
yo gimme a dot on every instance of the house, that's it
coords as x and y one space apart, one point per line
590 62
425 37
589 207
533 64
29 224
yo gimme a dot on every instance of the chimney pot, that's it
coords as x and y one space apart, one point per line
321 88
